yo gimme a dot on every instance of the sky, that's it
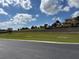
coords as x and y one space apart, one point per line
25 13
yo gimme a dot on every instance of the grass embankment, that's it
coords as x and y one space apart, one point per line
43 36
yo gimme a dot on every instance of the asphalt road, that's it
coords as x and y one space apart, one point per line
31 50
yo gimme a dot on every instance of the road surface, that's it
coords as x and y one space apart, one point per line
32 50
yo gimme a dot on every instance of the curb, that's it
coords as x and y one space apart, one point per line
37 41
50 42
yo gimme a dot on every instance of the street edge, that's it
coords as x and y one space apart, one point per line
38 41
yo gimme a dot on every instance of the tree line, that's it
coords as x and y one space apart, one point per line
72 22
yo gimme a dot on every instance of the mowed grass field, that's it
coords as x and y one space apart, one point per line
42 36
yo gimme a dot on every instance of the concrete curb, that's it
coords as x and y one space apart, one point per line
48 42
37 41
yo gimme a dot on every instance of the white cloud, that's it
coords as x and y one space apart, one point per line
2 12
26 4
22 18
56 18
17 20
67 8
37 15
52 7
75 14
49 7
73 3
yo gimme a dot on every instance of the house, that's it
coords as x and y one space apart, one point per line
73 22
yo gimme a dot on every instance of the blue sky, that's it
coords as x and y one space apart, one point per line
25 13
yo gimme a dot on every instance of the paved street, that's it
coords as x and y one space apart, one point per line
31 50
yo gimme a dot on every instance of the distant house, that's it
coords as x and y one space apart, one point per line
73 22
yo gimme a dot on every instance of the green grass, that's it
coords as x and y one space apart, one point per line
43 36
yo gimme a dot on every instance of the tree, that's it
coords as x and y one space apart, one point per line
32 27
45 26
77 18
25 28
41 27
56 24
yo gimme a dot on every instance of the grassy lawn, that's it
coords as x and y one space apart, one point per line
44 36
